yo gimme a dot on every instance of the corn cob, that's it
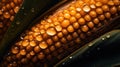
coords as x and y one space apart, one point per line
61 33
8 9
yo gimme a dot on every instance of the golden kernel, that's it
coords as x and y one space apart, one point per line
60 19
25 43
32 43
60 34
81 21
76 25
111 3
46 51
15 50
99 11
6 15
49 41
32 53
58 44
87 18
116 2
39 38
51 31
78 41
104 1
67 16
107 15
23 52
85 28
11 12
37 49
43 45
72 12
75 35
41 56
52 48
55 38
77 15
90 24
98 4
72 19
86 8
69 37
65 23
58 28
16 9
101 17
93 14
96 20
70 28
29 48
113 10
105 8
71 8
82 36
63 40
12 4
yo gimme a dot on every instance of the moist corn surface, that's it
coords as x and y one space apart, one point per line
61 33
8 9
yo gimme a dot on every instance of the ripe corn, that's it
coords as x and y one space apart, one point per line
8 9
61 33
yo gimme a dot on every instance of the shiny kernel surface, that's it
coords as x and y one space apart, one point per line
60 34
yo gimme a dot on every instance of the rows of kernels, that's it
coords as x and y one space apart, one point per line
8 9
59 35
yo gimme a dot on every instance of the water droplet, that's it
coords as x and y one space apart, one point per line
108 36
32 10
86 8
71 57
51 31
103 38
90 44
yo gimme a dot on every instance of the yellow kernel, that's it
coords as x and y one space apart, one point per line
111 3
104 1
67 16
51 31
98 4
37 49
65 23
32 53
113 10
15 50
75 35
60 34
81 21
116 2
6 15
58 44
70 28
32 43
23 52
49 41
99 11
63 40
71 8
12 4
76 25
86 8
55 38
52 48
58 28
105 8
60 19
93 14
69 37
77 15
107 15
64 31
16 9
87 18
43 45
72 19
25 43
90 24
41 56
101 17
39 38
46 51
96 20
72 12
85 28
78 41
